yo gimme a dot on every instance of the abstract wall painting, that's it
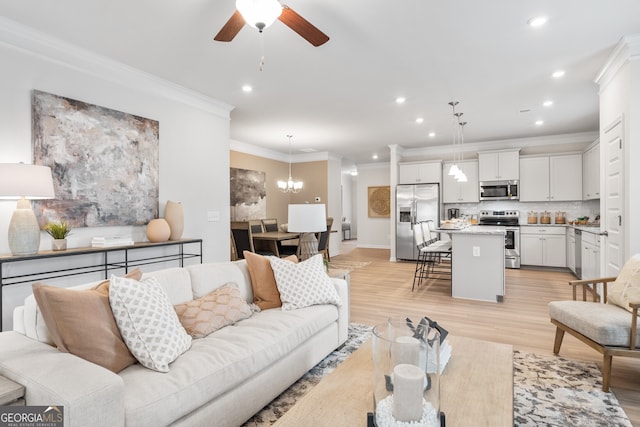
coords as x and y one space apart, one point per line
248 194
104 162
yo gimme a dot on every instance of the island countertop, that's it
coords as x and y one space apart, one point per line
474 229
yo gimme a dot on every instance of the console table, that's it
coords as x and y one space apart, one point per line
105 265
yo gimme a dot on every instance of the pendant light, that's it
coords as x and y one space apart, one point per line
290 186
458 141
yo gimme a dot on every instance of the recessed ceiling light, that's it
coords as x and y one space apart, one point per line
419 120
247 88
539 122
432 134
548 103
537 21
400 100
354 173
557 74
374 157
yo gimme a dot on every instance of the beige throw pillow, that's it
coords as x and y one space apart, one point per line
80 322
626 287
263 283
222 307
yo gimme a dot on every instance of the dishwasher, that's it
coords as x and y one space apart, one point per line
579 254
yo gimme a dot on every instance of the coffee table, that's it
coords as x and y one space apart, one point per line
476 389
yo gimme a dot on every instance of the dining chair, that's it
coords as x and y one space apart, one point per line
242 237
323 240
270 224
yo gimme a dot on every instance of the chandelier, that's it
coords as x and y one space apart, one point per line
290 186
458 141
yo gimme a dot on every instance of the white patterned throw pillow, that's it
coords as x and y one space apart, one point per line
303 284
147 321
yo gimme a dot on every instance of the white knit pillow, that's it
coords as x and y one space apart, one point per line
303 284
147 321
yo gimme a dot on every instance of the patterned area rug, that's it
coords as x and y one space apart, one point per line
548 391
348 265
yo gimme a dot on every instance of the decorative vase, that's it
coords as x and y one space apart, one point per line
59 245
174 214
158 230
406 374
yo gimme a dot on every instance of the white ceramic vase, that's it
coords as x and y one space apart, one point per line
158 230
59 245
174 215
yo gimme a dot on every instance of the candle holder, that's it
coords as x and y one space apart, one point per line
406 374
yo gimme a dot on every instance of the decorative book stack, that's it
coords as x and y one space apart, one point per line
108 242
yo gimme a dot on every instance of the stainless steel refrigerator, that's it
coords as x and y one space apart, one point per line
414 203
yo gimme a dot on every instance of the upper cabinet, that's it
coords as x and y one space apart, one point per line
498 165
551 178
420 173
461 192
591 173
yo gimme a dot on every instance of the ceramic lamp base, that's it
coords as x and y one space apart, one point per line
308 245
24 231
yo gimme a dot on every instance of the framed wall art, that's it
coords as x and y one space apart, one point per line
379 201
248 193
104 162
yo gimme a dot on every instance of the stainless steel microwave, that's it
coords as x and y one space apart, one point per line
499 190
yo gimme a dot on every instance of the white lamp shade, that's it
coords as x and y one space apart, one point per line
307 218
19 180
257 12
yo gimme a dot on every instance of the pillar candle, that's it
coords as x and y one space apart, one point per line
408 386
406 350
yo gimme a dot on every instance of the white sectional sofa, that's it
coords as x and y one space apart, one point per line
222 380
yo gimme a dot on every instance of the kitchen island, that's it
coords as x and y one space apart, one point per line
477 262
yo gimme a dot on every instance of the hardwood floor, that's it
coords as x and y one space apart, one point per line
383 289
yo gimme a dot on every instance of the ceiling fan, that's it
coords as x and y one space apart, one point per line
262 13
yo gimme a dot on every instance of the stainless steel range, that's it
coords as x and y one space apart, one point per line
510 220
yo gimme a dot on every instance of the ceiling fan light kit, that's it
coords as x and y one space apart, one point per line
259 13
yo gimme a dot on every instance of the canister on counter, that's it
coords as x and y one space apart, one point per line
545 217
561 217
532 217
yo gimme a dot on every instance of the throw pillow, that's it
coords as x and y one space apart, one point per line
147 321
222 307
263 283
80 322
304 284
626 287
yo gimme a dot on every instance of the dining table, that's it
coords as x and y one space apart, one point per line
273 237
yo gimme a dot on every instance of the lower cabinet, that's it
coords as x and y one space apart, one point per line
590 252
543 246
571 249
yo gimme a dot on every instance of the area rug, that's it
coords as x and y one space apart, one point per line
347 265
548 391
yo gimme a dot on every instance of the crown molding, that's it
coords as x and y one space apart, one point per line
627 49
51 49
254 150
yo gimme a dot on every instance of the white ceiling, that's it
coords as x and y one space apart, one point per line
340 97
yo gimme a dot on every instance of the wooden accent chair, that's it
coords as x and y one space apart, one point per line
270 224
242 238
608 326
323 240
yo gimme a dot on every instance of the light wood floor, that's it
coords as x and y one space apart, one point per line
383 289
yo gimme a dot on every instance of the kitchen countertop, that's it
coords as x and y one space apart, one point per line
594 229
474 229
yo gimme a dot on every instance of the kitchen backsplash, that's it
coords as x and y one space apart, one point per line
589 208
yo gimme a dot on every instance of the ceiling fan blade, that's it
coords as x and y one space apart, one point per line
303 27
231 28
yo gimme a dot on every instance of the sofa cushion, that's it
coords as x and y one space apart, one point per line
210 276
80 322
626 288
304 284
176 283
222 307
263 282
606 324
220 362
147 321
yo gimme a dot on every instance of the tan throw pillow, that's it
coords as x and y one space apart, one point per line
626 287
222 307
263 283
80 322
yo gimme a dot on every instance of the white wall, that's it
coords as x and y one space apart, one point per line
334 209
372 232
194 135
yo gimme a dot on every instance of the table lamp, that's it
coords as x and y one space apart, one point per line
20 181
307 219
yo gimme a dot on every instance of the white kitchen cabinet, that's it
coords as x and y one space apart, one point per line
551 178
590 254
461 192
591 173
571 249
543 246
498 165
420 173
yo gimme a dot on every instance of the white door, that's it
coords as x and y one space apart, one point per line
613 146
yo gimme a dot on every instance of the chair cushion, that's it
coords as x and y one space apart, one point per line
606 324
626 287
